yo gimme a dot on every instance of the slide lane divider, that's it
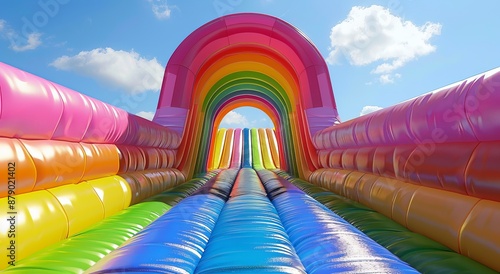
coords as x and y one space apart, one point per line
237 149
249 236
227 151
256 151
79 252
422 253
219 146
267 158
273 146
175 241
325 242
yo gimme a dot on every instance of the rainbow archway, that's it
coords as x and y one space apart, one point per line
254 60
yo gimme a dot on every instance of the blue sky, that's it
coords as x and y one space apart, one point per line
379 53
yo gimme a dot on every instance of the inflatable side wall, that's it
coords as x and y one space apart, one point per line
72 161
430 163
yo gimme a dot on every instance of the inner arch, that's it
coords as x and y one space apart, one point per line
250 117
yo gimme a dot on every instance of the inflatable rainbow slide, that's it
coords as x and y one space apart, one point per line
88 187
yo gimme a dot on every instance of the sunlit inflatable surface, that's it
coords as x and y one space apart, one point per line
88 187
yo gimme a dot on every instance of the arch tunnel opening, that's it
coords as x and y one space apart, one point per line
251 143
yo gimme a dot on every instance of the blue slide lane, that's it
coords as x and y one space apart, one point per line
324 241
247 148
244 226
249 236
175 241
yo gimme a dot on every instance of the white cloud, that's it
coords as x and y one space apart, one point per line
125 70
261 123
160 9
373 34
234 118
369 109
17 42
146 115
32 42
389 78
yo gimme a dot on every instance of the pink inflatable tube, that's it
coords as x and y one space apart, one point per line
34 108
446 139
463 112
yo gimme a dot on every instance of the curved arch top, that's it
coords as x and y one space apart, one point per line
232 31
